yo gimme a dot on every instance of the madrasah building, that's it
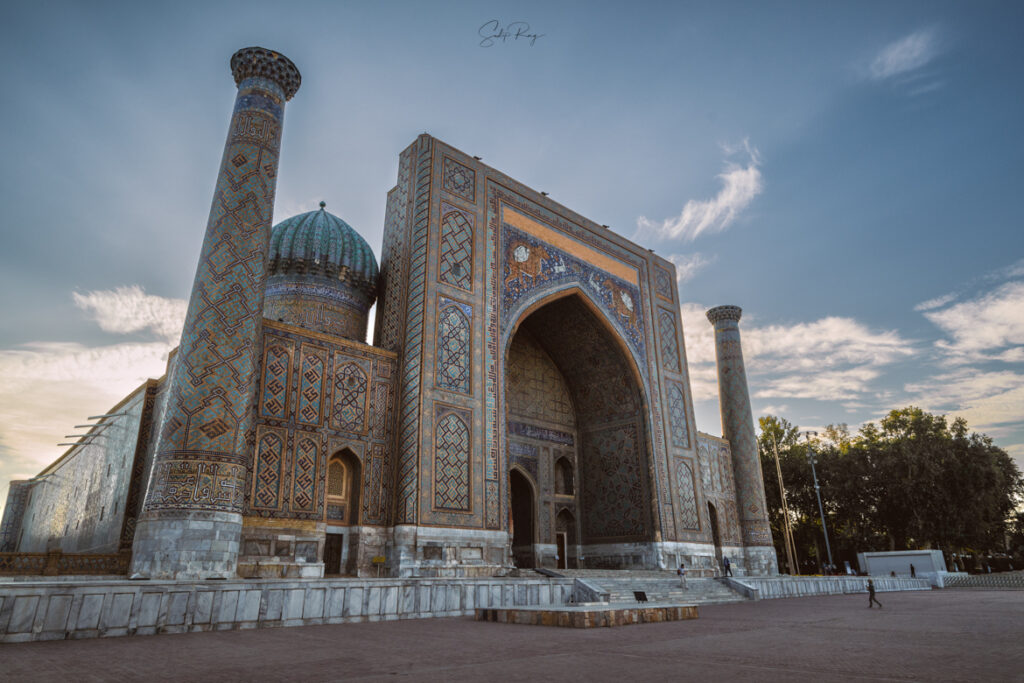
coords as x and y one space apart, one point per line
525 401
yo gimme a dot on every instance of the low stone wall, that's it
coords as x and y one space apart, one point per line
588 617
764 588
999 581
55 610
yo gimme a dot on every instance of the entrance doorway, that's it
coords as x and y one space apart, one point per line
333 548
565 538
341 513
523 506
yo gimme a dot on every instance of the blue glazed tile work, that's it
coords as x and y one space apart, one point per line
530 266
203 454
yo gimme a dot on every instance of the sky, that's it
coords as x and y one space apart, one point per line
849 174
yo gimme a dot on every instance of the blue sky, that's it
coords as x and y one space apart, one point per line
849 174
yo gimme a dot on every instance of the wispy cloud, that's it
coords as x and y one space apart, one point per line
909 53
937 302
688 265
830 358
129 309
989 327
740 184
49 387
992 402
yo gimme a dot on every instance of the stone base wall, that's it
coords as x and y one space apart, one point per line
760 561
419 551
700 559
62 610
189 545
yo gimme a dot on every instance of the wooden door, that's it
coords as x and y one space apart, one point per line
332 553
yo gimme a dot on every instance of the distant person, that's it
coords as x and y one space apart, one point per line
893 573
726 565
871 595
913 572
681 573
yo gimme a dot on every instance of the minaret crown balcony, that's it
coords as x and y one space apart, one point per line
263 63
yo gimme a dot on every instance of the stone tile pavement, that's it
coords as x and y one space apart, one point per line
926 636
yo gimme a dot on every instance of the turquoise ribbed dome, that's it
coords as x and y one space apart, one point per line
320 243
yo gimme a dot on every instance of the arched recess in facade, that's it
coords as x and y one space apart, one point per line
597 423
342 512
523 517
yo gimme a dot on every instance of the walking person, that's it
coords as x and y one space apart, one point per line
681 573
726 565
871 595
913 572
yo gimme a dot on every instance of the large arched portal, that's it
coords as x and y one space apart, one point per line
576 421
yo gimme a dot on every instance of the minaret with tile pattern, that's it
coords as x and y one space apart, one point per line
192 519
738 430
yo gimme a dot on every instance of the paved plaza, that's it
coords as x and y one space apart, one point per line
951 635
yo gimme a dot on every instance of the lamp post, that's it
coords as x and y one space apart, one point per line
787 532
817 492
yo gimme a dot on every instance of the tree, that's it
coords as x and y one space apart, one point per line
914 480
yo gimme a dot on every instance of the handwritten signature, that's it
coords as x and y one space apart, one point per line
492 31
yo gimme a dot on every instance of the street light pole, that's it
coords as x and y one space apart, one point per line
817 491
787 532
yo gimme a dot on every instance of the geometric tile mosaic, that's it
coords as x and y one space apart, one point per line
677 414
201 463
611 481
350 393
663 283
276 364
269 461
311 385
458 179
456 248
304 475
669 344
686 495
454 363
451 462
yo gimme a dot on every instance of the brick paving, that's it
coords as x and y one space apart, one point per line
929 636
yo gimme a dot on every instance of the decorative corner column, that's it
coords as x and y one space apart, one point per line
738 430
192 519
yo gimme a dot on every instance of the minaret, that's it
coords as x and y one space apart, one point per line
192 519
738 430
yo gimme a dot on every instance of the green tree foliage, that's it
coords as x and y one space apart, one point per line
914 480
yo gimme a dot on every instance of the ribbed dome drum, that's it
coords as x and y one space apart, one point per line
321 275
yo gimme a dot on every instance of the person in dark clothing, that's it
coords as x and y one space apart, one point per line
871 595
913 572
726 565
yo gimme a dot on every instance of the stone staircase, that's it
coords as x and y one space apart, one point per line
660 586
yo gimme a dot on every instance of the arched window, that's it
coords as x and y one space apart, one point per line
336 480
563 477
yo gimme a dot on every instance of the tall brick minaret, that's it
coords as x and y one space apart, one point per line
191 522
738 430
